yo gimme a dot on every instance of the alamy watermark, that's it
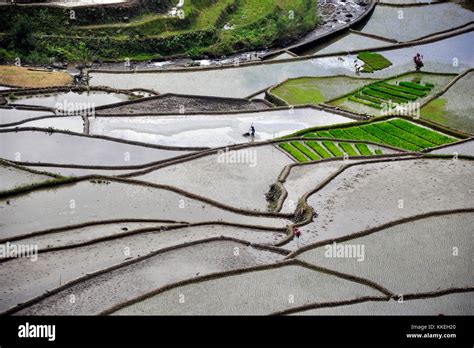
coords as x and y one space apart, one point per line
245 156
9 250
346 251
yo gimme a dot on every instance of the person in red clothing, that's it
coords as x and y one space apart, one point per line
297 234
418 59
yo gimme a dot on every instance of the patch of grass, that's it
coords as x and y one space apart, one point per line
333 149
299 91
378 152
47 183
373 61
23 77
427 134
310 154
348 149
318 149
297 155
363 149
434 109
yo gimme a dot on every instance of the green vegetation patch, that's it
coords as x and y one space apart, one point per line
425 133
396 132
363 149
373 61
321 151
310 154
204 27
348 149
294 152
333 149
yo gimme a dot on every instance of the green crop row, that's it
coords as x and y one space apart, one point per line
370 99
373 61
365 102
427 134
320 134
358 133
383 96
390 139
393 92
348 149
398 132
310 154
403 89
297 155
363 149
333 149
339 133
426 87
318 149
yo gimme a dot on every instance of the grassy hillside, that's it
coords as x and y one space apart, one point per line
204 27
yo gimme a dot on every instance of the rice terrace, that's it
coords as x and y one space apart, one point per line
236 157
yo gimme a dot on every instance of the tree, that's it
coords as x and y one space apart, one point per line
22 37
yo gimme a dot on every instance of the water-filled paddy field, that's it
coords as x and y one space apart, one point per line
158 201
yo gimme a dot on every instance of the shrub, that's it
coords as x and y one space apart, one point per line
318 149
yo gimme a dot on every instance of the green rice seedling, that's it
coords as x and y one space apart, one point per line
390 139
323 134
378 152
318 149
365 102
393 92
398 132
374 61
298 156
425 133
333 149
363 149
310 154
384 96
358 133
339 133
370 99
348 149
415 85
408 90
